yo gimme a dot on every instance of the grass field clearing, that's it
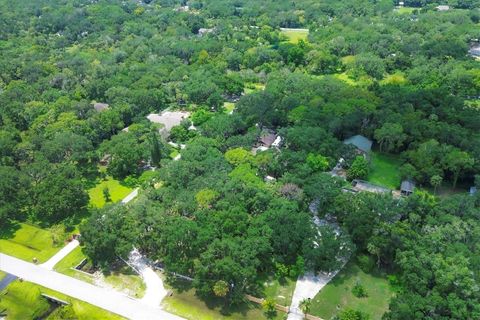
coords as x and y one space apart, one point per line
117 192
384 170
295 35
28 242
339 293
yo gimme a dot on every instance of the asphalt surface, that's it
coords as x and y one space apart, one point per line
107 299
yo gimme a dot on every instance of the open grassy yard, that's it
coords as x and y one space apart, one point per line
189 306
28 242
124 279
280 291
127 281
67 265
384 170
405 10
253 87
295 35
23 300
117 192
2 275
339 293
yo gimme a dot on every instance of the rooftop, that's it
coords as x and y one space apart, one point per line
407 185
362 143
100 106
169 119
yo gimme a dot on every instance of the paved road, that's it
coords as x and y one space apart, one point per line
60 255
107 299
131 196
307 287
155 291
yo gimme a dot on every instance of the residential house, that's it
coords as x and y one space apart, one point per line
361 143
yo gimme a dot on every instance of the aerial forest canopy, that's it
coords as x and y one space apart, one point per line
272 89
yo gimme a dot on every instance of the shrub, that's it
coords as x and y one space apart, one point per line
366 263
359 291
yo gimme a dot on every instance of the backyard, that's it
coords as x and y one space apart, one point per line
26 242
337 295
384 170
23 300
116 189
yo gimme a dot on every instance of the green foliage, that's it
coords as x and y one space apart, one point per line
206 197
317 162
268 306
359 291
238 156
350 314
359 169
366 263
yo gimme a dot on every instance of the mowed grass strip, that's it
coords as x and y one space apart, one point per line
67 265
29 242
23 300
116 190
337 295
384 170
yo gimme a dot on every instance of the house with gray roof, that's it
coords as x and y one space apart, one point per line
99 107
363 144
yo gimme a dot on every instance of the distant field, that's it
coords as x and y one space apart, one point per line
23 300
295 35
29 242
384 170
253 87
117 192
339 293
405 10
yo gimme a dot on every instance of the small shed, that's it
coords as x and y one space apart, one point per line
99 107
407 187
363 144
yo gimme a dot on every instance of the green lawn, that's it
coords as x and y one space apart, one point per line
67 265
2 274
29 242
117 192
384 170
253 87
22 300
405 10
295 35
127 281
189 306
281 292
123 280
338 293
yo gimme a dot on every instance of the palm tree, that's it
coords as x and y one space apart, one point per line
305 305
435 181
